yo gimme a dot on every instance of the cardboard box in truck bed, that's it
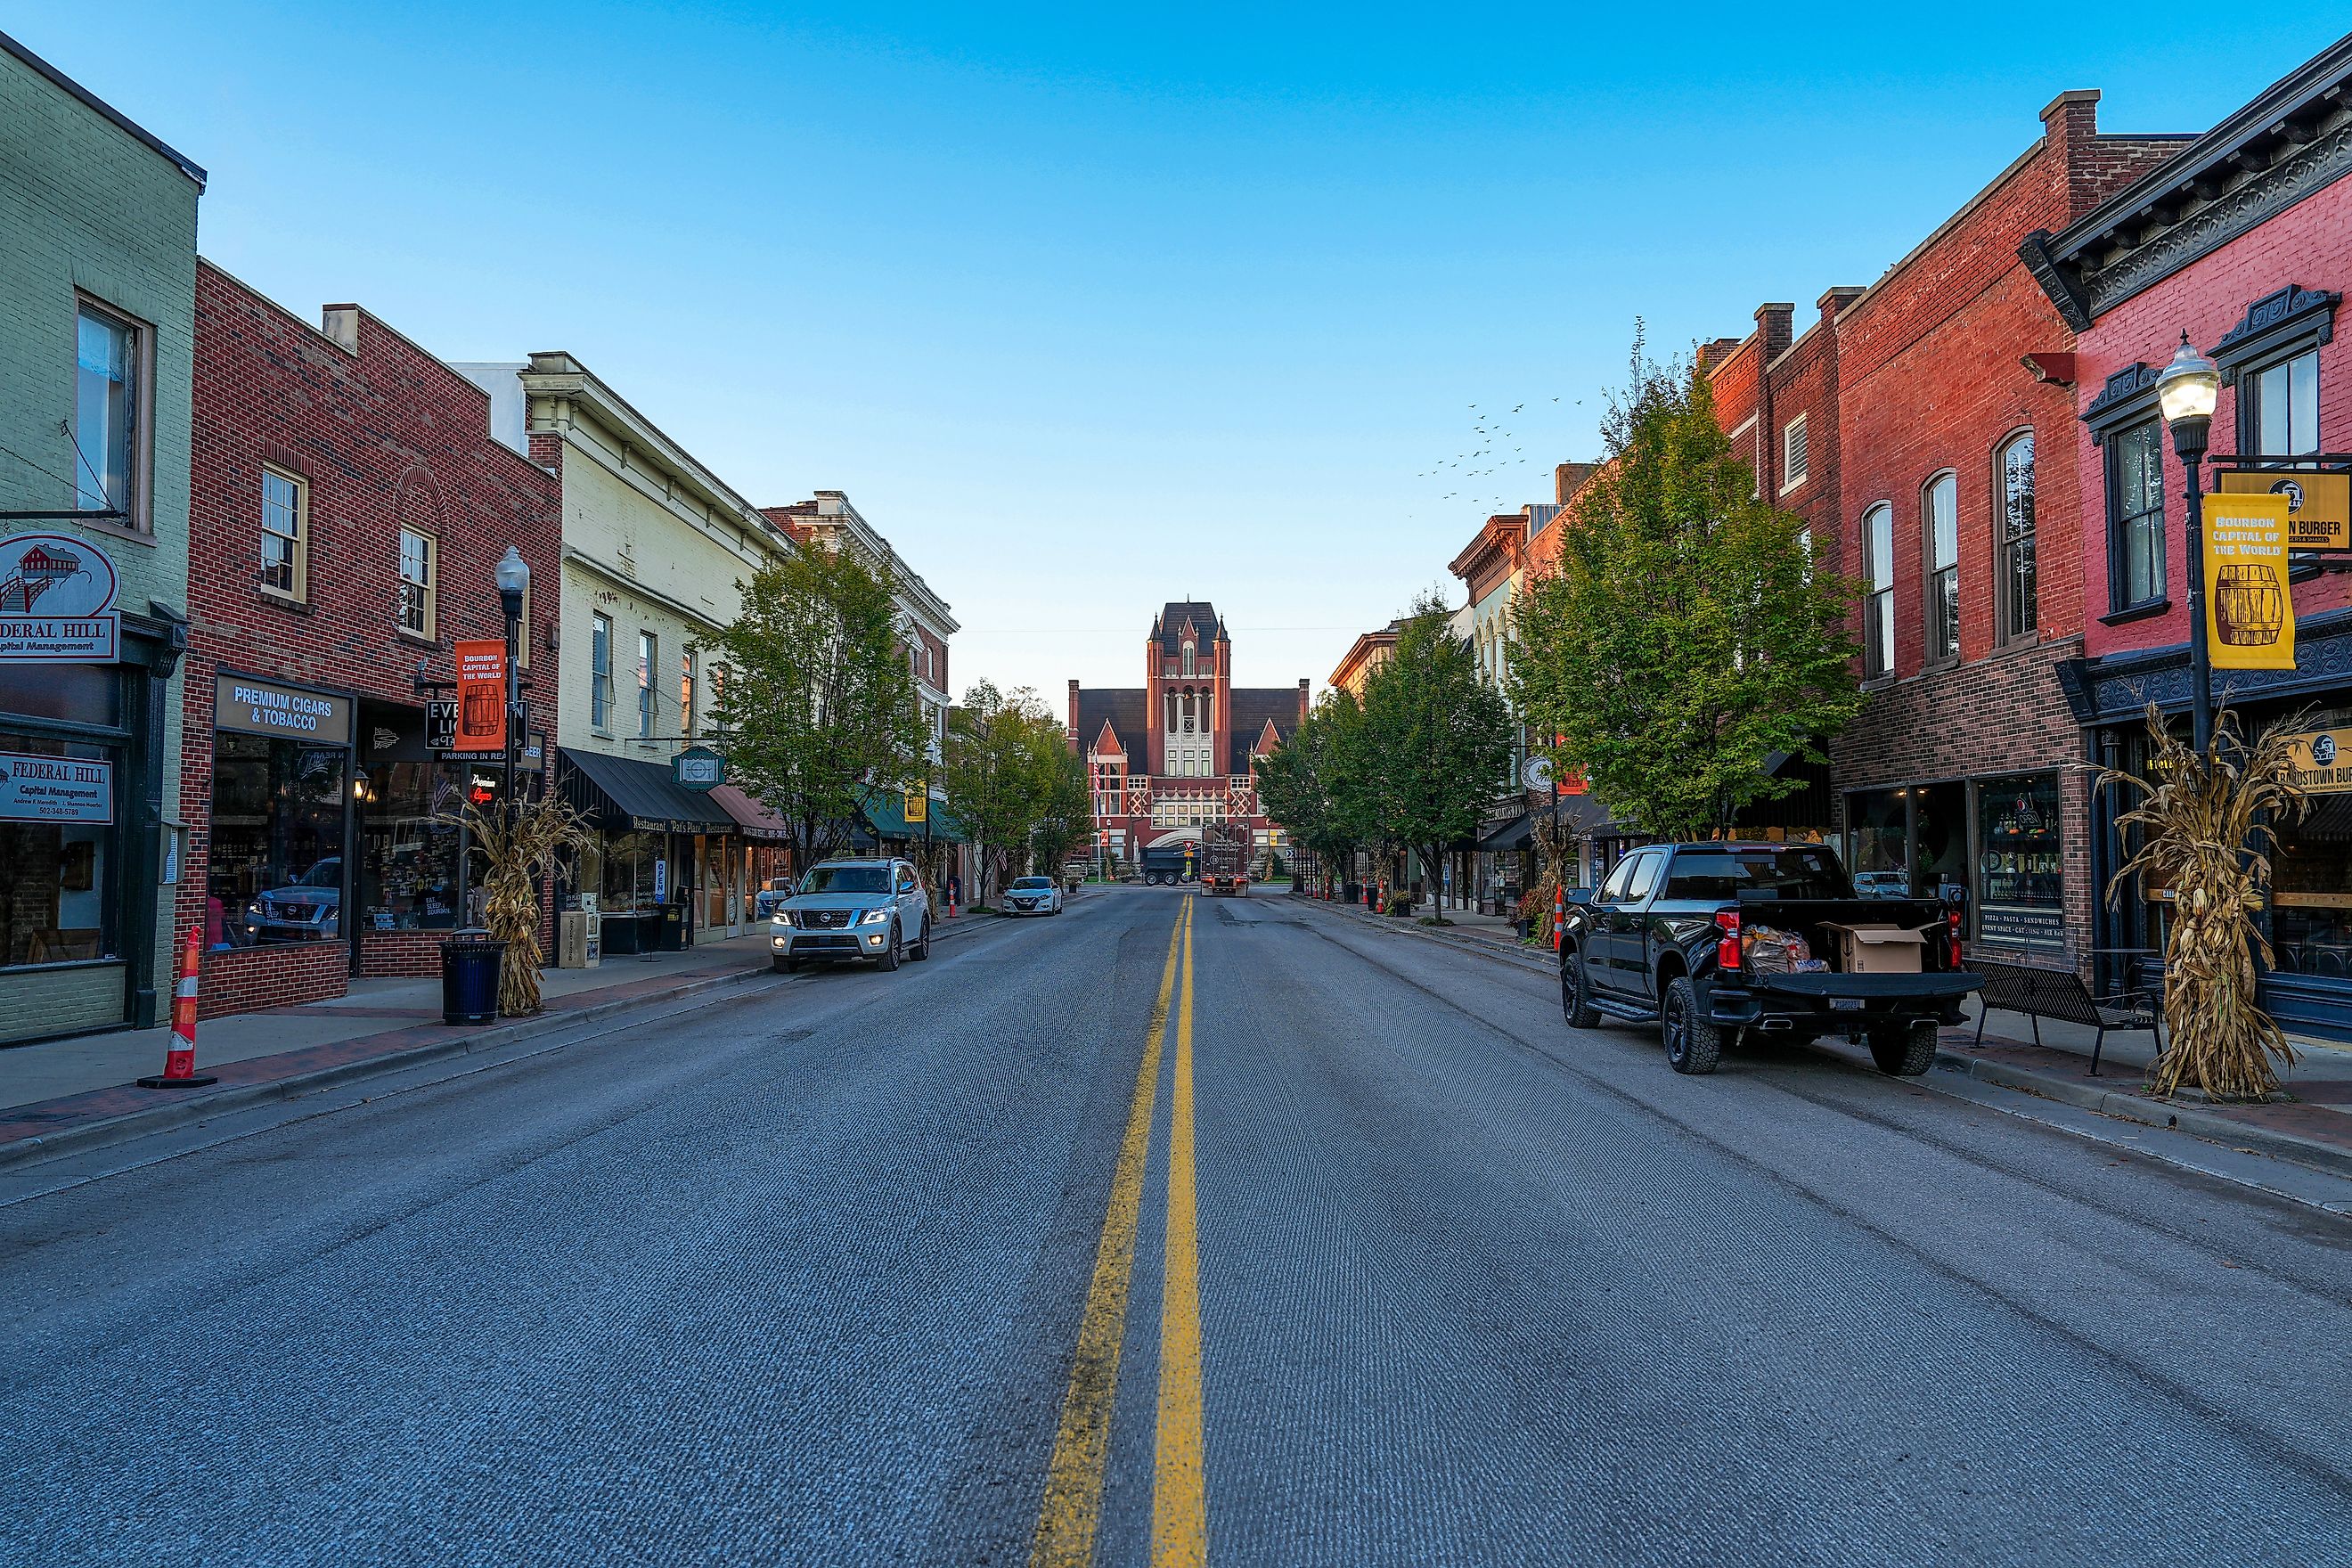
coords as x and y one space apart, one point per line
1878 950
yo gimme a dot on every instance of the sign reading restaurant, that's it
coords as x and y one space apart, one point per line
266 707
57 601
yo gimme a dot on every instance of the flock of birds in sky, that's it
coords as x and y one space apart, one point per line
1485 459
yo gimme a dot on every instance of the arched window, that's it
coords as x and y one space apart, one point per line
2020 609
1939 535
1878 607
1188 658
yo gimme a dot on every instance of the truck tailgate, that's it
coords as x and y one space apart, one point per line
1932 985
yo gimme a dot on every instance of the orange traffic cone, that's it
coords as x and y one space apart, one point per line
1559 912
179 1061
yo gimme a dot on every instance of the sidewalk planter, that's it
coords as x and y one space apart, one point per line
469 977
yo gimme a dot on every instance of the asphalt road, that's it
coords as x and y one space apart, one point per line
891 1268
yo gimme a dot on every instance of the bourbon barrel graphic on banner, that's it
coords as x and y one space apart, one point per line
2248 607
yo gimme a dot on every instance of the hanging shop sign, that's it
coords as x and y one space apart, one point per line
441 724
481 696
2249 614
57 601
266 707
55 789
918 805
698 768
2321 761
2318 505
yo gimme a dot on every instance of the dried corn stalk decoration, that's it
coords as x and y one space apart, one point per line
1555 857
519 852
2206 831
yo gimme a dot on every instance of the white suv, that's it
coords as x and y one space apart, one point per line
847 909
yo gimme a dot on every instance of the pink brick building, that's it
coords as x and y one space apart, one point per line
2244 241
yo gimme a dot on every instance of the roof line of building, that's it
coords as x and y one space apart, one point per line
90 100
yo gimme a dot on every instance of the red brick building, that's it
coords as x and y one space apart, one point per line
1174 755
348 509
2244 241
1954 471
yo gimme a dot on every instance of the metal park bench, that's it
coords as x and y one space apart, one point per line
2060 993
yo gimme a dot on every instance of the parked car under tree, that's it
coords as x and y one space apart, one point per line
853 912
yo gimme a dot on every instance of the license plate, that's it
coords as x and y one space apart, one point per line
1845 1003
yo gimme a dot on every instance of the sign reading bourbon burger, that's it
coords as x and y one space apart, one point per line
2249 618
2318 504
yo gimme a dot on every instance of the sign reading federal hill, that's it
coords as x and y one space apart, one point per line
57 601
55 789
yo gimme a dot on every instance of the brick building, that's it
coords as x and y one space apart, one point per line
348 508
1955 463
1174 755
2244 242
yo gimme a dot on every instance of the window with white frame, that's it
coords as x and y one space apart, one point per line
417 571
1939 527
1878 605
109 358
2020 605
285 536
1792 454
648 693
600 671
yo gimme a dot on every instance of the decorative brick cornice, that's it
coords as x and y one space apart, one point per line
2309 169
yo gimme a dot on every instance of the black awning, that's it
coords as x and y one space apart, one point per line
621 795
1516 834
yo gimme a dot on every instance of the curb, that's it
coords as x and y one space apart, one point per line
167 1114
1541 963
2125 1105
2121 1104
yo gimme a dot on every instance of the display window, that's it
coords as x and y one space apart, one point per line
2311 892
2021 869
276 863
409 849
57 847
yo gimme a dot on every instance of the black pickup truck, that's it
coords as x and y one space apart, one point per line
1674 934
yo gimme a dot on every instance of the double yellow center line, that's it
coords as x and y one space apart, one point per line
1072 1510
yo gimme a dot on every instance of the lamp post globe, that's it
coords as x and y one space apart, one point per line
514 581
2188 390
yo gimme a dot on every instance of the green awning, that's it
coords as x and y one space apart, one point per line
885 818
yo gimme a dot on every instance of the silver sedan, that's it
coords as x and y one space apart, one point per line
1032 896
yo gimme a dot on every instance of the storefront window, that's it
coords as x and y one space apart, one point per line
408 855
1940 846
2020 882
57 835
2311 892
630 862
276 863
1877 842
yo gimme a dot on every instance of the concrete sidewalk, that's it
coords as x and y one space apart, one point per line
55 1092
2312 1127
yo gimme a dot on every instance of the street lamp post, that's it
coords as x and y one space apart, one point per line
514 581
2188 391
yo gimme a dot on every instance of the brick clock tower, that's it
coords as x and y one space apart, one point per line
1174 756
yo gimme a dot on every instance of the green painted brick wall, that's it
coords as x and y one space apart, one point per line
87 205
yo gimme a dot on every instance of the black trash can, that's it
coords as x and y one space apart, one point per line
469 977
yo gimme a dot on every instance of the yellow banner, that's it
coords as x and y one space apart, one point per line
2321 761
919 806
2318 505
2249 616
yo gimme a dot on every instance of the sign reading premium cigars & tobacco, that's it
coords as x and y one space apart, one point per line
57 601
288 712
2249 614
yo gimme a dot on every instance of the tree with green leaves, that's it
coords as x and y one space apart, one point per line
1687 637
818 703
1436 738
1007 772
1312 783
1065 823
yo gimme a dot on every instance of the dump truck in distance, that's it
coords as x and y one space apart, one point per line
1224 860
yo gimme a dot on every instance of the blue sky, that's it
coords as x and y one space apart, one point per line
1090 310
